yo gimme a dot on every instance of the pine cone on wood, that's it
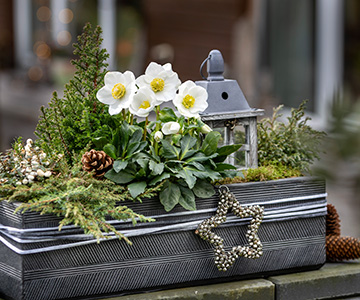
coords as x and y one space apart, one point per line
96 161
332 221
342 248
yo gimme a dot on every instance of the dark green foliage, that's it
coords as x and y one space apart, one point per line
293 144
185 166
69 123
81 200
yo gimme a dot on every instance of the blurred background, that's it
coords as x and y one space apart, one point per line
280 52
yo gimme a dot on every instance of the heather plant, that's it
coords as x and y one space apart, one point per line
293 144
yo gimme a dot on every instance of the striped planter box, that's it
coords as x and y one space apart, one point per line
39 262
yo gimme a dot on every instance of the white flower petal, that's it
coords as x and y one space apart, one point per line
115 108
112 78
167 67
153 69
185 87
105 96
170 128
129 78
143 94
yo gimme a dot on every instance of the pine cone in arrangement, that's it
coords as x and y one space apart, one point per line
96 161
332 221
342 248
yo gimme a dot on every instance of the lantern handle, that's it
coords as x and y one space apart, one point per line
202 66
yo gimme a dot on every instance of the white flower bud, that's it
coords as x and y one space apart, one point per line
18 183
29 141
34 164
170 128
25 181
205 129
47 174
158 136
27 148
42 155
30 177
40 173
33 173
28 170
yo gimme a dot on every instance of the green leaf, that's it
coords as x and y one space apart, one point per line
159 178
167 115
170 196
186 143
203 189
136 188
156 168
222 167
136 136
210 143
120 178
188 175
124 134
208 174
110 150
187 199
169 151
100 142
120 165
135 148
199 157
228 149
140 174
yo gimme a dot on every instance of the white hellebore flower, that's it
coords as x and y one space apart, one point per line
162 80
191 99
170 128
143 102
118 91
40 173
158 136
205 129
47 174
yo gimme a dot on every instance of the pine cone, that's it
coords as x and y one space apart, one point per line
342 248
97 161
332 221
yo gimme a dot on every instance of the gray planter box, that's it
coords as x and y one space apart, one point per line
39 262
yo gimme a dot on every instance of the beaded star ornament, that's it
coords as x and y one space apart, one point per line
223 259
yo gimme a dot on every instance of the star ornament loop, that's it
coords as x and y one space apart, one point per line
223 259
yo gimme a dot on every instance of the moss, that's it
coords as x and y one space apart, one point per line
263 173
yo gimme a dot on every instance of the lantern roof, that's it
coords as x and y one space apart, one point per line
226 99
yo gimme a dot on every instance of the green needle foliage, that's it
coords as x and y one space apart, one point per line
293 144
80 200
69 123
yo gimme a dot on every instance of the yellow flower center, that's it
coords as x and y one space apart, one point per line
157 84
118 91
188 101
145 104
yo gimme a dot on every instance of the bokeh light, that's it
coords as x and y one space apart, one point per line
35 73
43 14
66 15
64 38
42 50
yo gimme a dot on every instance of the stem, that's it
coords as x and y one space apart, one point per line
124 114
157 128
146 123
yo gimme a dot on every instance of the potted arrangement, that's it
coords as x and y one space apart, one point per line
105 173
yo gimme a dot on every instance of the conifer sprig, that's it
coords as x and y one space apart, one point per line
68 125
82 201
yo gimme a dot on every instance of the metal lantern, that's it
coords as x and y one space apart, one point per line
228 110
